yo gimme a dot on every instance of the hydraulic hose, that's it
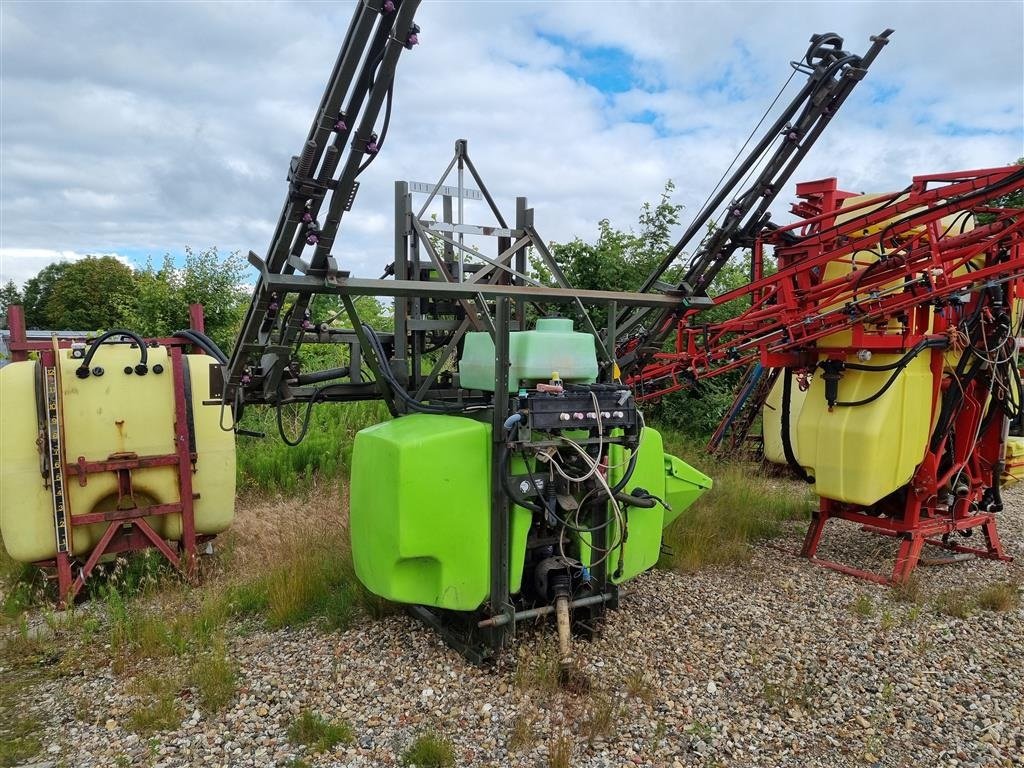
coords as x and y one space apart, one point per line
395 385
896 368
142 368
204 342
787 443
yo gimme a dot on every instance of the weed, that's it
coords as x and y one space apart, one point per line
638 686
744 506
297 762
907 591
429 751
560 754
599 722
785 695
863 606
999 596
311 730
523 734
214 677
537 668
888 621
157 708
954 602
660 731
700 730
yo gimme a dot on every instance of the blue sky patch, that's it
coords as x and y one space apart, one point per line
606 68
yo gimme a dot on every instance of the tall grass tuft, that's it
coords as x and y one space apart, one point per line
745 505
267 464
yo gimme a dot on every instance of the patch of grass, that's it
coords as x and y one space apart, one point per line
158 708
268 465
311 730
999 596
313 580
560 753
523 734
215 678
863 606
954 602
599 722
19 737
22 586
888 620
130 575
744 506
907 591
429 750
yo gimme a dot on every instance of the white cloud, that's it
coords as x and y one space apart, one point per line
148 127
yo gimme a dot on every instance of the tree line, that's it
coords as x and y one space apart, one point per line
102 292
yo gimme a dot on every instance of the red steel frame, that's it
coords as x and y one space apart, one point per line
791 310
127 529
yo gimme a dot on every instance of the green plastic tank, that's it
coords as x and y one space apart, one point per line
420 512
553 346
420 509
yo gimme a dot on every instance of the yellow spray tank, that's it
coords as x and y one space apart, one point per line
114 415
858 455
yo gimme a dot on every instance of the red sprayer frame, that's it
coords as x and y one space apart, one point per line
127 529
911 291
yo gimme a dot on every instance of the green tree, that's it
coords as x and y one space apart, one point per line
90 293
159 304
9 295
621 260
37 293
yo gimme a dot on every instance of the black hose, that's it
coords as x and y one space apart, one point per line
787 443
143 354
395 385
629 470
204 342
903 361
896 368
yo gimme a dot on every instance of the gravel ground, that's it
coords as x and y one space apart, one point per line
769 664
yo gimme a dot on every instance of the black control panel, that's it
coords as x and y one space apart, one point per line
575 409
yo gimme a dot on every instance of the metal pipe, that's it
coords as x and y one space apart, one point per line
544 610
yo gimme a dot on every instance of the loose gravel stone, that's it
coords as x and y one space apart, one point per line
764 664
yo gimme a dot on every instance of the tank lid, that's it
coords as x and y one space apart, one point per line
554 325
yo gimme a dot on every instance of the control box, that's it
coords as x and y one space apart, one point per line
575 409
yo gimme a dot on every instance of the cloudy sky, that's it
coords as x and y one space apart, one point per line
137 128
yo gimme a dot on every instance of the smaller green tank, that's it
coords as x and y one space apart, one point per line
552 347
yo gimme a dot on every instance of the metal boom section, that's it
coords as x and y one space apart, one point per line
832 74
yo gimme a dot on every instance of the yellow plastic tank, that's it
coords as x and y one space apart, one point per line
1014 458
771 421
116 413
861 454
858 454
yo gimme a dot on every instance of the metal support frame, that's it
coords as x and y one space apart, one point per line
127 529
917 282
